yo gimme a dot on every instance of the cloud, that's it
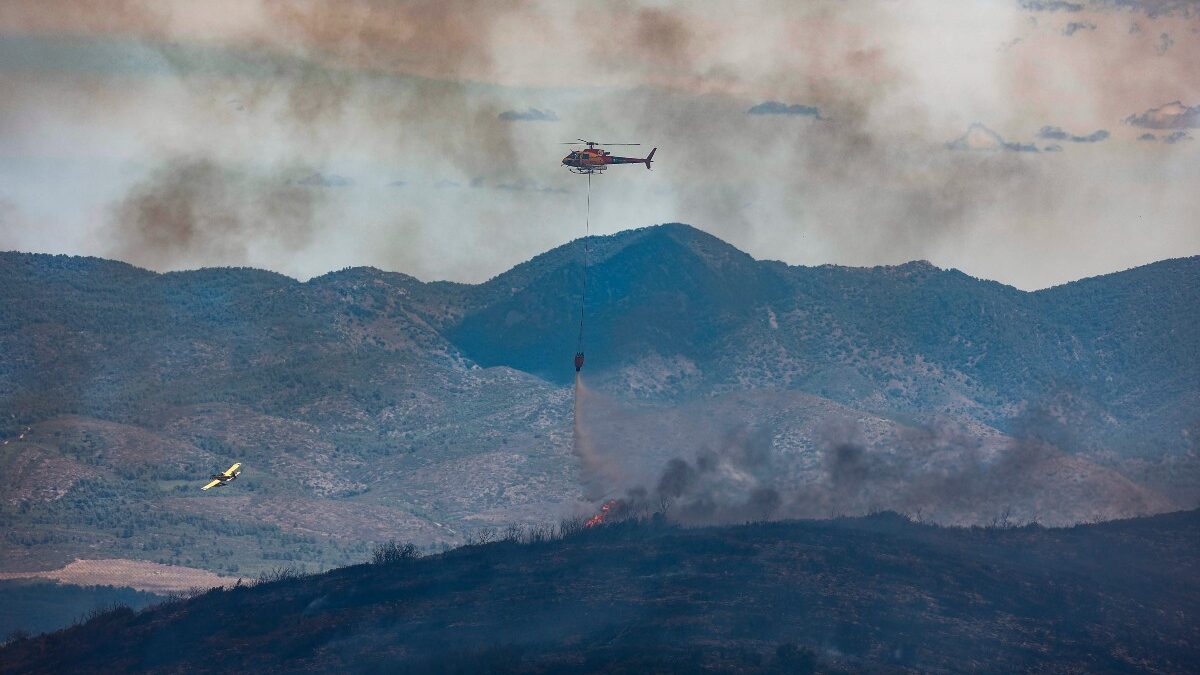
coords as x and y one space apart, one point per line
1050 6
1173 115
529 115
1057 134
1053 133
778 108
318 179
1054 147
1076 26
1164 43
1154 8
1171 138
981 138
1094 137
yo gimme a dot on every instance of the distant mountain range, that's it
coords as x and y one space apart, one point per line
368 405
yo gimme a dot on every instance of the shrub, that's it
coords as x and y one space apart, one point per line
514 533
105 612
570 526
281 573
393 552
16 635
483 536
535 534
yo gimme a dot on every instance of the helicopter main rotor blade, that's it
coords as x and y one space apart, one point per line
593 143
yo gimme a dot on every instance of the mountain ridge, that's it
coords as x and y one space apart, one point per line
567 249
449 405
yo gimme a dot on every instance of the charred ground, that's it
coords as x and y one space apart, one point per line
873 594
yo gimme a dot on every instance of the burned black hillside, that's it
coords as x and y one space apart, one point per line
875 594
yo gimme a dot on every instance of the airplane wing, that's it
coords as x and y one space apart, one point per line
233 469
213 484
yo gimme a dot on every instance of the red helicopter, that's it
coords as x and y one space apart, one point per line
596 160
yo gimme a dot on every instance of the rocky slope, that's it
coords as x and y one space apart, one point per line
368 405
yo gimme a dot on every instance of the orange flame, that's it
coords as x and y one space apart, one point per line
599 517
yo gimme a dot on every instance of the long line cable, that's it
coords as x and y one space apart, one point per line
581 447
587 230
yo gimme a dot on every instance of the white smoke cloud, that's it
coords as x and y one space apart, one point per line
377 93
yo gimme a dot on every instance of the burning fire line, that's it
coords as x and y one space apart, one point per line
599 517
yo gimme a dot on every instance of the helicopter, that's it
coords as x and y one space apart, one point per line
596 159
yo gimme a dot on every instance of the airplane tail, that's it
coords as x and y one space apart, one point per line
650 157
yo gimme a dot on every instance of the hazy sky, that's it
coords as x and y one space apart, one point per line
1028 141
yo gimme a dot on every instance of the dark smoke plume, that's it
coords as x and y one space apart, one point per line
325 72
939 473
731 482
192 212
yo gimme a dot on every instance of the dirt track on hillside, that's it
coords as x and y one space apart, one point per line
138 574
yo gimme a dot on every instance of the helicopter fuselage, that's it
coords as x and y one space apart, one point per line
596 160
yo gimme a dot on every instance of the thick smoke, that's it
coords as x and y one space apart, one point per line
731 482
328 82
416 92
941 473
191 212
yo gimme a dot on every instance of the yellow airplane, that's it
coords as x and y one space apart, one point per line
223 479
